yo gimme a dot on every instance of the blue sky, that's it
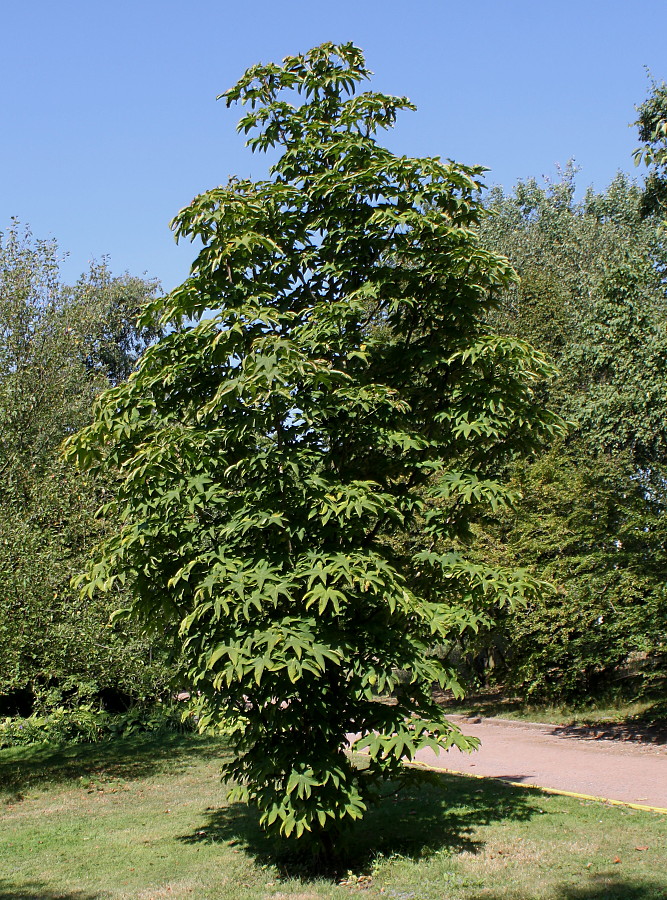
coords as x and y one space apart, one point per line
110 125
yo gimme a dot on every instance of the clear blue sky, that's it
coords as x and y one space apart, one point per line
110 125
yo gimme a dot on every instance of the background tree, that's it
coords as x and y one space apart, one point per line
592 521
273 442
652 127
59 347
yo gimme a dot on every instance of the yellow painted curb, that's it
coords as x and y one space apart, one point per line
545 790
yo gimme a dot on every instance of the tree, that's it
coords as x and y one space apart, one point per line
59 346
591 296
652 127
328 381
592 518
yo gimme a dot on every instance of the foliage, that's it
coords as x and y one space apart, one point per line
272 442
59 347
592 518
86 724
652 127
592 297
589 526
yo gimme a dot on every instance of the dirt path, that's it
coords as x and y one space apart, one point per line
546 755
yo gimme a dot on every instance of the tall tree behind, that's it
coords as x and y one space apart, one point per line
592 297
59 347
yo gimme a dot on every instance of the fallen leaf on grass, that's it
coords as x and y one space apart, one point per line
641 848
617 859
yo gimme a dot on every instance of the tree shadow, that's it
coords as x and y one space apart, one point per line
35 890
611 887
603 886
632 729
128 758
483 703
648 727
436 812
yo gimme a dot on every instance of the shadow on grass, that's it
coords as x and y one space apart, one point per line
436 813
600 887
611 887
124 758
631 729
35 890
489 703
649 727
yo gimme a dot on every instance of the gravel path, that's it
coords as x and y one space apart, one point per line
546 755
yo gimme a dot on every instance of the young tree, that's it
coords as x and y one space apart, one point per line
328 381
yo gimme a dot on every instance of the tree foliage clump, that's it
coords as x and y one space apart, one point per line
328 381
596 532
59 347
591 296
652 129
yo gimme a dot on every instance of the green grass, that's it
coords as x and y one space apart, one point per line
618 711
147 819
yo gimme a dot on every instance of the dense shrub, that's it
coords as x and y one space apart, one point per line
88 725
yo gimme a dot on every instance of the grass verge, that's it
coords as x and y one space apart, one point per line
638 715
146 818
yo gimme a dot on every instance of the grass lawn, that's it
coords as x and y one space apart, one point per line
147 818
492 702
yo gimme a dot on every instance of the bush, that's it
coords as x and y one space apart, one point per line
87 725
